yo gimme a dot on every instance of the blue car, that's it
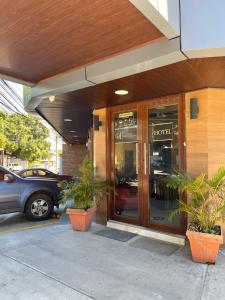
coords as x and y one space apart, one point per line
35 197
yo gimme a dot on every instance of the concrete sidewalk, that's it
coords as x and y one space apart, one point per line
56 263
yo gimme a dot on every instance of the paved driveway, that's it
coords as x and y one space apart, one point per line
17 222
53 262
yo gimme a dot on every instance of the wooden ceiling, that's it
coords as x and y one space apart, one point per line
39 39
172 79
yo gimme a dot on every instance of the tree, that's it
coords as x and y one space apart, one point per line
3 139
23 137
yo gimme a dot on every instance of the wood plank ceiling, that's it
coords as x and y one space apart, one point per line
39 39
172 79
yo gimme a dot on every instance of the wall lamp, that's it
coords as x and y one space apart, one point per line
194 109
96 123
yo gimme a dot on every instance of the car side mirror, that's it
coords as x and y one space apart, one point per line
8 178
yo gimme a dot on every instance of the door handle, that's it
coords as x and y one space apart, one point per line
137 158
145 158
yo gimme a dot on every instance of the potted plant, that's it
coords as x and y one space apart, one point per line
83 194
206 209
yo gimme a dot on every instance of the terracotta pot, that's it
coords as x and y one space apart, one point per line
204 246
81 219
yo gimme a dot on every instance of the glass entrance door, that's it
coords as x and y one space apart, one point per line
163 159
147 145
126 196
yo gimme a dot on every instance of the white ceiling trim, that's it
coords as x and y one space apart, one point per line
200 53
149 57
164 14
152 56
59 84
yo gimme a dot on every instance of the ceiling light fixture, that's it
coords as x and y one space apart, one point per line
67 120
121 92
72 131
51 98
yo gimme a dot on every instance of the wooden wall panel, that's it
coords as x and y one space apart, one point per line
196 134
216 129
216 133
205 136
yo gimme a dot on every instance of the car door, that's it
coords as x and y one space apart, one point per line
9 194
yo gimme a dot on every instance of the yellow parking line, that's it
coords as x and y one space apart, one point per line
27 227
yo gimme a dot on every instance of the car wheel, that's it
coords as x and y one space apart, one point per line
39 207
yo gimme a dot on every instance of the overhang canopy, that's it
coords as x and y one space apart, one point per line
39 39
168 80
81 51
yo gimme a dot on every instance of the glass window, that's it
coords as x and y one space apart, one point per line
42 173
35 173
163 159
2 173
126 181
28 173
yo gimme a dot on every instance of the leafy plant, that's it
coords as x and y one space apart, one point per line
64 184
207 199
87 190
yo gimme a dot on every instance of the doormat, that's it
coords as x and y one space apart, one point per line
156 246
115 234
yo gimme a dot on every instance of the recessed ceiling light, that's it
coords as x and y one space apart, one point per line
67 120
121 92
51 98
76 136
72 131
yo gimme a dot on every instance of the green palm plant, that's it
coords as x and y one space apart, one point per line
207 199
88 190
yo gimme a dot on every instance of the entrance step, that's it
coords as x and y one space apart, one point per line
154 234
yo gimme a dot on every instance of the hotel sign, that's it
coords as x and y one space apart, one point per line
162 132
126 114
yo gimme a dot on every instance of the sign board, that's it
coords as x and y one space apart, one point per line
162 132
126 114
126 136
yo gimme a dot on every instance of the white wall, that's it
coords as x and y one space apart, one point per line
164 14
203 28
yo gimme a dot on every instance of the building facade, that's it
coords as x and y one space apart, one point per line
151 72
142 143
